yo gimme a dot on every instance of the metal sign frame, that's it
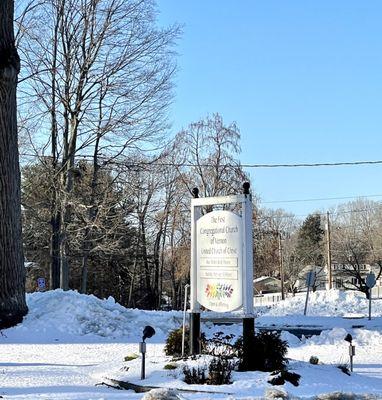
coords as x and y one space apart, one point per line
246 219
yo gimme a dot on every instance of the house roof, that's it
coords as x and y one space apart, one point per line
264 278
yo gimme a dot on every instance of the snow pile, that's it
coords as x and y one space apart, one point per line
368 340
62 314
334 336
327 303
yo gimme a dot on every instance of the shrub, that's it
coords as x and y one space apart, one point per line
219 372
195 375
313 360
173 345
282 376
170 366
220 345
268 352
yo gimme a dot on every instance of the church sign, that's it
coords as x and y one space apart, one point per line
221 275
219 261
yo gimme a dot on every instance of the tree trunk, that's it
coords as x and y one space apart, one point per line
55 220
132 280
12 276
156 254
88 242
146 267
84 270
55 250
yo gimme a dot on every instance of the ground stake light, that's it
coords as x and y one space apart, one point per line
349 339
148 332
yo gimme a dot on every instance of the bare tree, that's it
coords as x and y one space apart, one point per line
357 241
100 73
12 281
268 225
210 148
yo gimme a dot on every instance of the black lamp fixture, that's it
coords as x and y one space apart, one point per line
148 332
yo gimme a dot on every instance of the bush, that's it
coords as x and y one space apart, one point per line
282 376
223 362
220 345
219 372
195 375
268 352
170 366
173 345
313 360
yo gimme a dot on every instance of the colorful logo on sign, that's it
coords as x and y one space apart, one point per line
218 291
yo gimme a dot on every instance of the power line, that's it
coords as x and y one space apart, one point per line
320 199
187 164
295 165
329 164
322 214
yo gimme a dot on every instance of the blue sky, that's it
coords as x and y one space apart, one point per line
303 81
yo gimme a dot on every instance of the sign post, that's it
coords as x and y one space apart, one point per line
184 317
221 261
370 283
195 308
248 320
310 278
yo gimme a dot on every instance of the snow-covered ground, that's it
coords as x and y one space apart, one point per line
69 343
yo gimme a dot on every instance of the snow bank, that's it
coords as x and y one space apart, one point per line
327 303
59 315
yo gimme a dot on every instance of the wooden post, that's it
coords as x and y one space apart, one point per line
281 266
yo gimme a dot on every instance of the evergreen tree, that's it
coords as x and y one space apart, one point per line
310 241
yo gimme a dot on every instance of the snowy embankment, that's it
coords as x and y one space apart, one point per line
326 310
73 317
68 342
333 303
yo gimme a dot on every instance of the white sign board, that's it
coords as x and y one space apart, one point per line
219 261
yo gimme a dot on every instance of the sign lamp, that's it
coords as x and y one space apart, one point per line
148 332
349 338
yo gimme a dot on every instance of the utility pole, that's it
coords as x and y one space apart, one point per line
329 251
281 266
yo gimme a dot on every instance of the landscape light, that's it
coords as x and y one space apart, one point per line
148 332
349 338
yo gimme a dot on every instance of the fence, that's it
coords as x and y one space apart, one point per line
376 292
272 298
266 299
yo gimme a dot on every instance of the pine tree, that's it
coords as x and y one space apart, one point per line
310 241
